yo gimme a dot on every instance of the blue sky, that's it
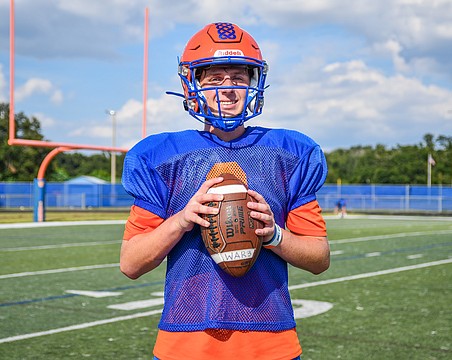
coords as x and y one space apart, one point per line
363 72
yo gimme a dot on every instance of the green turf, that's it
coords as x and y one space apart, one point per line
402 315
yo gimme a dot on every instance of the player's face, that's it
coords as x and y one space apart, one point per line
230 100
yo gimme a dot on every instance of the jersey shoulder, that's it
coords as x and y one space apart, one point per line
156 148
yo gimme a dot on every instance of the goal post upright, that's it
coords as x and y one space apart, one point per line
39 183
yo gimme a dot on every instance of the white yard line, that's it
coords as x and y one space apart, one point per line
390 217
57 246
120 222
60 223
390 236
371 274
153 312
53 271
79 326
341 241
57 271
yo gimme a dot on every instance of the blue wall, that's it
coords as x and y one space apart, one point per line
358 197
64 195
387 197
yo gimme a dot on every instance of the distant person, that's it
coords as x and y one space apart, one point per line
209 314
341 208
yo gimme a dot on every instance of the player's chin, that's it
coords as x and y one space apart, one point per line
231 111
228 114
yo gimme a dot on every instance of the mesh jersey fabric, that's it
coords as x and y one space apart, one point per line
162 173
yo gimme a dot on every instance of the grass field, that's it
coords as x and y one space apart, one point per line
387 294
7 217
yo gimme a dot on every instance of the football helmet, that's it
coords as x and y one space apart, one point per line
222 44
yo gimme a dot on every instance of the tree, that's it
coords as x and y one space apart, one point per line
357 165
21 163
400 165
18 163
75 164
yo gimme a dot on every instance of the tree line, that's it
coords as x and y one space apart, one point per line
359 164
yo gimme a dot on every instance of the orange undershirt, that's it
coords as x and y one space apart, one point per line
225 344
307 220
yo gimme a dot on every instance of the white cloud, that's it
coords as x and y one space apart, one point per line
93 131
370 79
57 97
163 114
421 29
359 105
46 121
391 49
35 86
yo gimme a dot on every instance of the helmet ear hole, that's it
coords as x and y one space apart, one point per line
254 77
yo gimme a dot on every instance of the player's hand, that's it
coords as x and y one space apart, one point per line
261 211
190 215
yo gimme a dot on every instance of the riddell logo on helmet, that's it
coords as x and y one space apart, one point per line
230 52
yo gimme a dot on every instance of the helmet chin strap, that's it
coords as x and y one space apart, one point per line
228 125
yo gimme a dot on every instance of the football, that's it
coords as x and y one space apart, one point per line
231 239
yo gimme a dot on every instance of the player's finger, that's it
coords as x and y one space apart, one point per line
191 216
202 196
204 199
207 209
261 207
208 184
201 222
262 210
265 218
258 197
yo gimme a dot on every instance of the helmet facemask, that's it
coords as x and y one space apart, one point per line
225 45
196 100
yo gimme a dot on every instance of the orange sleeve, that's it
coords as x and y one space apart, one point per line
140 221
307 220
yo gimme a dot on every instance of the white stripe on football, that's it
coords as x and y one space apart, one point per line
227 189
233 255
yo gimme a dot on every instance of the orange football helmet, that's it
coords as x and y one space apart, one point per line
229 45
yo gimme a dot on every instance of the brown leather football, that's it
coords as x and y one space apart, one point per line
231 239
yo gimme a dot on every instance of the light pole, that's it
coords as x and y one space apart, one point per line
112 114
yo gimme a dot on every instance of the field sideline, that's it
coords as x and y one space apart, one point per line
387 294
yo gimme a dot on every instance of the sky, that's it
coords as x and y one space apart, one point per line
361 72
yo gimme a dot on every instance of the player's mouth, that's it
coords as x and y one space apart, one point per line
227 104
227 107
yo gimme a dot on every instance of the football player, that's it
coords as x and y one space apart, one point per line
209 314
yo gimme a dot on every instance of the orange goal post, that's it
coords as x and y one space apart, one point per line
59 147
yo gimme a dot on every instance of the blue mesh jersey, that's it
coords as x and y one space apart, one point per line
162 173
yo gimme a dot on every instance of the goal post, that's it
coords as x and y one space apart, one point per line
39 183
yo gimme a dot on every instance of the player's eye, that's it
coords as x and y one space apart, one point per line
217 80
239 79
